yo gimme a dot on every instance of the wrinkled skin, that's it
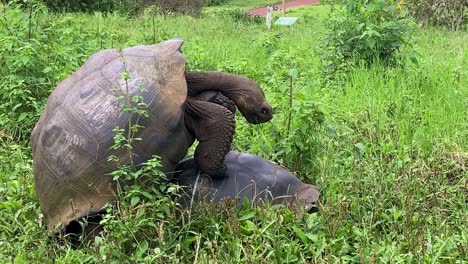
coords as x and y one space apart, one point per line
245 92
217 98
247 176
213 123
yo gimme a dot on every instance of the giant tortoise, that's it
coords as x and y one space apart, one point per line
72 140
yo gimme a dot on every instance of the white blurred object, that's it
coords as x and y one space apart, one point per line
269 17
286 21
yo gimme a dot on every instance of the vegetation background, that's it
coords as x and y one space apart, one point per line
379 122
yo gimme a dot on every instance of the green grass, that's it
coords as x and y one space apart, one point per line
247 4
319 11
391 155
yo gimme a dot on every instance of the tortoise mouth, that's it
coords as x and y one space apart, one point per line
263 115
259 119
308 196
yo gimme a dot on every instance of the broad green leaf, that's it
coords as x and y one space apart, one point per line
293 73
249 215
135 200
371 42
300 234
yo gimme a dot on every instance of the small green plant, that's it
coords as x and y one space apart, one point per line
292 137
367 31
144 196
36 53
268 40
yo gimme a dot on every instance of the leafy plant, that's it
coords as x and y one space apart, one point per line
364 31
268 41
144 196
36 53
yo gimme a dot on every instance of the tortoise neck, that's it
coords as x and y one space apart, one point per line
228 84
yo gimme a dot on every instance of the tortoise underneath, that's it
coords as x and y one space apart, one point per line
247 176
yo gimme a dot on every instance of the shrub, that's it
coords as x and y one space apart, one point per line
79 6
450 14
364 31
240 16
36 53
185 7
214 2
129 7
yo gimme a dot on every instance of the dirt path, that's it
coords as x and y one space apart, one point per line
262 11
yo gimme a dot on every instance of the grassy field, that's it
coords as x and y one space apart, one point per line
388 147
251 3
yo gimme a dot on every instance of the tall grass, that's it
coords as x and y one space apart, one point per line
388 147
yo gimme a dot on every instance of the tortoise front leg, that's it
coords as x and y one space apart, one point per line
213 126
216 98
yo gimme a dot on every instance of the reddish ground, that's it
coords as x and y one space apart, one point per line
262 10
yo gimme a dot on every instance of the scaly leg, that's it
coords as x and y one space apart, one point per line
213 126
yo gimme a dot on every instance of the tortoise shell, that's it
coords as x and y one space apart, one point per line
72 140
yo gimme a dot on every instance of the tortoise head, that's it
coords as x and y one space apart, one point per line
251 101
245 92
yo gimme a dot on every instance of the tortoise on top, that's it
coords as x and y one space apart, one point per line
72 140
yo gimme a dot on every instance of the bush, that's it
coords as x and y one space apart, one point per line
364 31
450 14
34 57
79 6
185 7
214 2
240 16
130 7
